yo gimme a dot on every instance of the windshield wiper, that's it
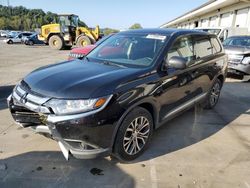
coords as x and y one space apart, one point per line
113 64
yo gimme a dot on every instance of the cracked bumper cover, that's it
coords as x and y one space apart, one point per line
85 135
240 68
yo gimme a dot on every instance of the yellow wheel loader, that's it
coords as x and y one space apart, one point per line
67 33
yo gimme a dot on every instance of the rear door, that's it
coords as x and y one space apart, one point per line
208 60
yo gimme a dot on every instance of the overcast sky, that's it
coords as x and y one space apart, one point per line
114 13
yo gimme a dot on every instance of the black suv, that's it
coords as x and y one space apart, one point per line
132 83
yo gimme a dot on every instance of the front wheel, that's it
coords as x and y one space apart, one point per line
133 135
83 41
56 42
213 95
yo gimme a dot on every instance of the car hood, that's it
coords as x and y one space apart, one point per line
78 79
237 50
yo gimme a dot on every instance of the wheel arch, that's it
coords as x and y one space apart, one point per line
221 78
52 34
148 105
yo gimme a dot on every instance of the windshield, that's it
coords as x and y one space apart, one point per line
212 31
129 49
237 41
103 39
74 21
33 35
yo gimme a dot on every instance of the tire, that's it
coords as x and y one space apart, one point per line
213 95
126 136
56 42
31 43
10 42
83 41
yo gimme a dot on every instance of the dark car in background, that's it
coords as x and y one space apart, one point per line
32 39
238 50
131 84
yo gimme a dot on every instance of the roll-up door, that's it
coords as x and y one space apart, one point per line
241 18
204 23
226 20
213 21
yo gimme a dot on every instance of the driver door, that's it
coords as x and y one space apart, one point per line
177 89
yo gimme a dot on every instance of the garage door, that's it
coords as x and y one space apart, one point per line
226 20
204 23
241 18
191 26
213 21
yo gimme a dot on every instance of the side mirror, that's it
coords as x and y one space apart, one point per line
176 62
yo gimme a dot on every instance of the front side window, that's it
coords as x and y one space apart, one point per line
202 47
129 49
183 47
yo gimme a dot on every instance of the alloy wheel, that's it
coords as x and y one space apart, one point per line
136 135
215 94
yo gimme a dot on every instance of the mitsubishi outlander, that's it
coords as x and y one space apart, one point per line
111 102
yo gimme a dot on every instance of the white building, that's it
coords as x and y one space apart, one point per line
215 13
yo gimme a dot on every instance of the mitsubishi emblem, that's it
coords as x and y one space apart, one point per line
23 98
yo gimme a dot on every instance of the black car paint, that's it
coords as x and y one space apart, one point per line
152 88
33 39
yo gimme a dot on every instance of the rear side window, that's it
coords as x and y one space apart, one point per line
202 47
183 47
216 45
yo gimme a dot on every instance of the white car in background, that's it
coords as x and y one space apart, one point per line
18 38
3 33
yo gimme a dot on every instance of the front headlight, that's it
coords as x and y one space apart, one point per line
246 61
63 107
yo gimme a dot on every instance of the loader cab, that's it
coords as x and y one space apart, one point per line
68 22
68 26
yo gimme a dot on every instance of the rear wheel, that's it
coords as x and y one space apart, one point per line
214 95
10 42
134 135
31 42
56 42
83 41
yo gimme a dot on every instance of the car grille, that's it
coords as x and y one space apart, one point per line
76 55
30 101
27 108
235 59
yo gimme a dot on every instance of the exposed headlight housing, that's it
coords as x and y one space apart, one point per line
66 107
246 61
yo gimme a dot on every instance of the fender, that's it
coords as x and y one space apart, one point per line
149 100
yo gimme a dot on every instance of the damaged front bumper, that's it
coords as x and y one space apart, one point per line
239 69
77 148
82 135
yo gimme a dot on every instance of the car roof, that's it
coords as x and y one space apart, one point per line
240 36
163 31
